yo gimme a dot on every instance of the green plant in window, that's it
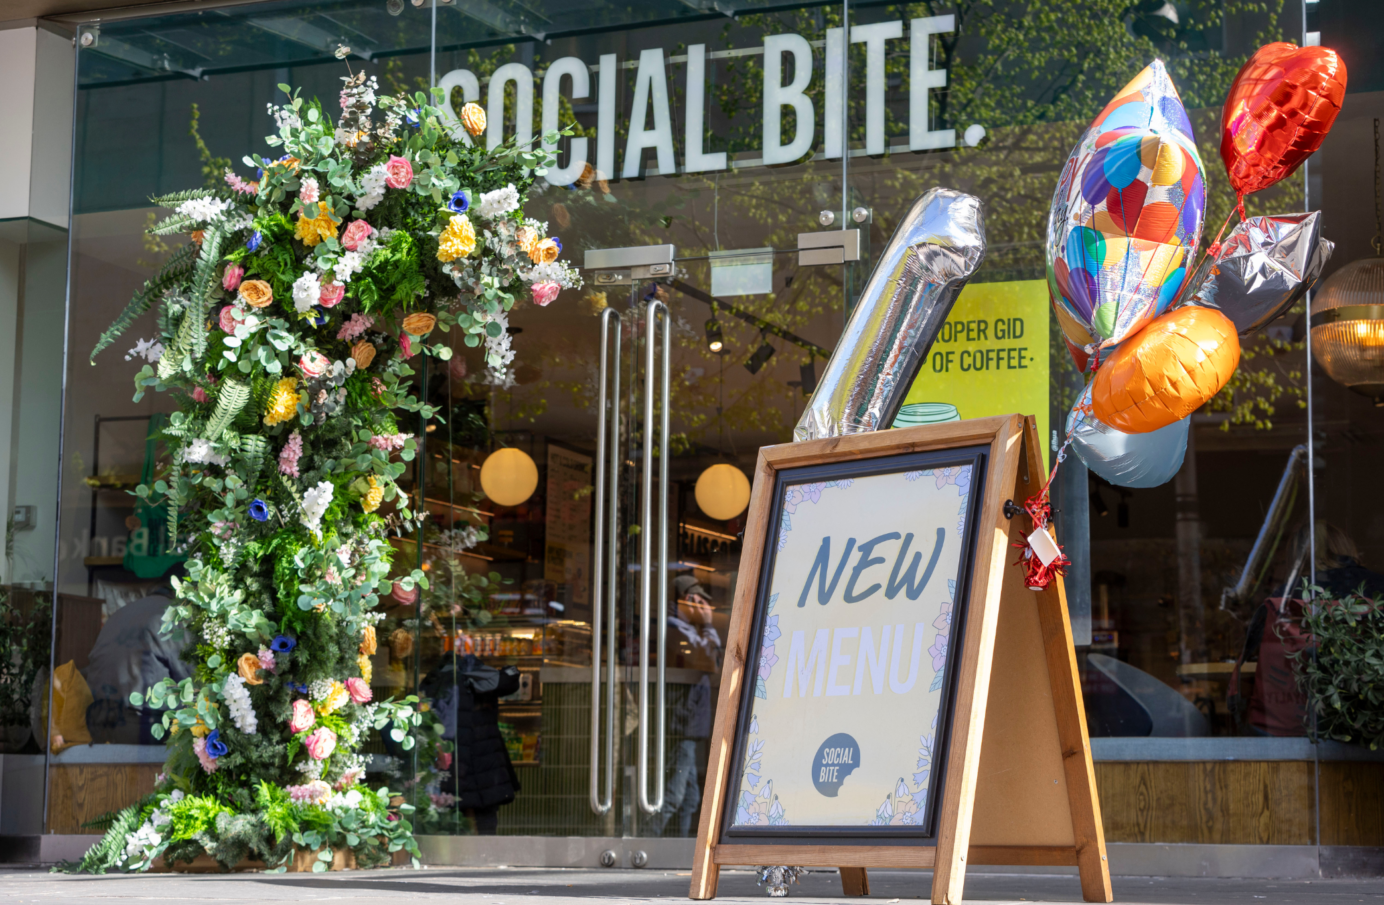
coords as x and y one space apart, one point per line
1342 670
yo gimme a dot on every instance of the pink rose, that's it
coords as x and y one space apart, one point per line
457 367
404 596
199 394
303 717
227 319
314 364
405 345
398 172
230 280
444 760
360 692
199 747
331 294
357 231
321 743
545 294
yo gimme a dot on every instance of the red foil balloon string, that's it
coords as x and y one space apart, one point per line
1038 576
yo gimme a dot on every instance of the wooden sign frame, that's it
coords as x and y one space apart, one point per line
1020 787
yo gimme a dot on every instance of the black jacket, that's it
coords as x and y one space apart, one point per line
465 694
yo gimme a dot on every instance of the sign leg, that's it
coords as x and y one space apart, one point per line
854 881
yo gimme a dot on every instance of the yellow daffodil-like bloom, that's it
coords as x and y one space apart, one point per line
288 163
200 730
368 644
337 698
283 402
367 669
458 240
373 497
313 231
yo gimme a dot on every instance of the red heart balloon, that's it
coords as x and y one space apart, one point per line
1280 107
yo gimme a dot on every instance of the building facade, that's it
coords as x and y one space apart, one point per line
736 133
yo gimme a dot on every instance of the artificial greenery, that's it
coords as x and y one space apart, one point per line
25 627
1342 670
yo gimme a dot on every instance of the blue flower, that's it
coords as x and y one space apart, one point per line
259 511
282 644
298 687
253 243
319 317
215 747
411 117
459 203
557 242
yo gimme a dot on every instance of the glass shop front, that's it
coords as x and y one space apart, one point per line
733 169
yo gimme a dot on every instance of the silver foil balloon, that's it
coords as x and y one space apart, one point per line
1126 460
937 247
1265 266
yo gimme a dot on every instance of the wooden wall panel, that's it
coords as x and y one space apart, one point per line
81 793
1353 804
1221 802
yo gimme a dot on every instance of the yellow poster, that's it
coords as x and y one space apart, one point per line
990 358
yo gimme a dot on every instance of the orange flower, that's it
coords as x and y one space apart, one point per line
419 324
527 239
288 163
368 645
256 293
198 235
362 353
544 252
248 666
473 118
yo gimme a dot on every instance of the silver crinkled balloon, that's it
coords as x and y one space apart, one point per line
1265 266
937 247
1126 460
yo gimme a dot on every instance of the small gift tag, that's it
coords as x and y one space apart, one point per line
1044 547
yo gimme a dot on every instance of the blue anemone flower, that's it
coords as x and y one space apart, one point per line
259 511
298 687
319 316
459 203
411 117
282 644
215 747
557 242
253 243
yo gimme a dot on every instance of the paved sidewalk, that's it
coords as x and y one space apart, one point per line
498 886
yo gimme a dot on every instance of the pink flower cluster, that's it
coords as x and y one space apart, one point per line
442 799
240 185
389 442
348 779
354 327
288 456
266 658
315 792
199 746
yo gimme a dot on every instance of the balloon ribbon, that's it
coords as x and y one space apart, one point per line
1037 574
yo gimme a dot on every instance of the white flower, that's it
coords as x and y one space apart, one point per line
371 188
349 800
237 698
499 202
498 353
204 210
151 350
307 289
348 264
315 503
200 451
284 118
559 272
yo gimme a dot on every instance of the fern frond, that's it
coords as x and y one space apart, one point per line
203 282
230 399
175 269
173 199
172 527
255 449
174 223
110 851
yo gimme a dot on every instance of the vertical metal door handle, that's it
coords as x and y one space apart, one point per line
605 557
653 572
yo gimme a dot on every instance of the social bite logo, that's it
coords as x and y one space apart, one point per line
836 759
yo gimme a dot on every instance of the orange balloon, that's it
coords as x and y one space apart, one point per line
1167 370
1279 109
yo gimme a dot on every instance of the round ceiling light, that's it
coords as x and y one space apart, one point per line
1348 327
723 491
509 476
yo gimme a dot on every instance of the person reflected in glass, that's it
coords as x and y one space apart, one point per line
694 644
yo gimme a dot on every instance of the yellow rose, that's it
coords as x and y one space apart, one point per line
473 118
458 240
256 293
288 163
362 353
367 669
419 324
544 252
314 230
526 238
368 645
373 497
337 698
283 402
248 666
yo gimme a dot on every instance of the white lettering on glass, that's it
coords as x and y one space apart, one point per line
696 160
650 87
522 78
838 660
778 95
575 69
605 117
873 37
922 78
832 125
801 664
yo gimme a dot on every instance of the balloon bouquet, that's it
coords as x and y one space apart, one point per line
1159 335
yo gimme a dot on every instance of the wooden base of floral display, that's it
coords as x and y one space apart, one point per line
304 860
202 864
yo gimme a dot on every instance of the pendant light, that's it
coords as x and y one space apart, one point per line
722 490
509 476
1348 315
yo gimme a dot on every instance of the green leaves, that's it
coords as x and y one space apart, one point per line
231 397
